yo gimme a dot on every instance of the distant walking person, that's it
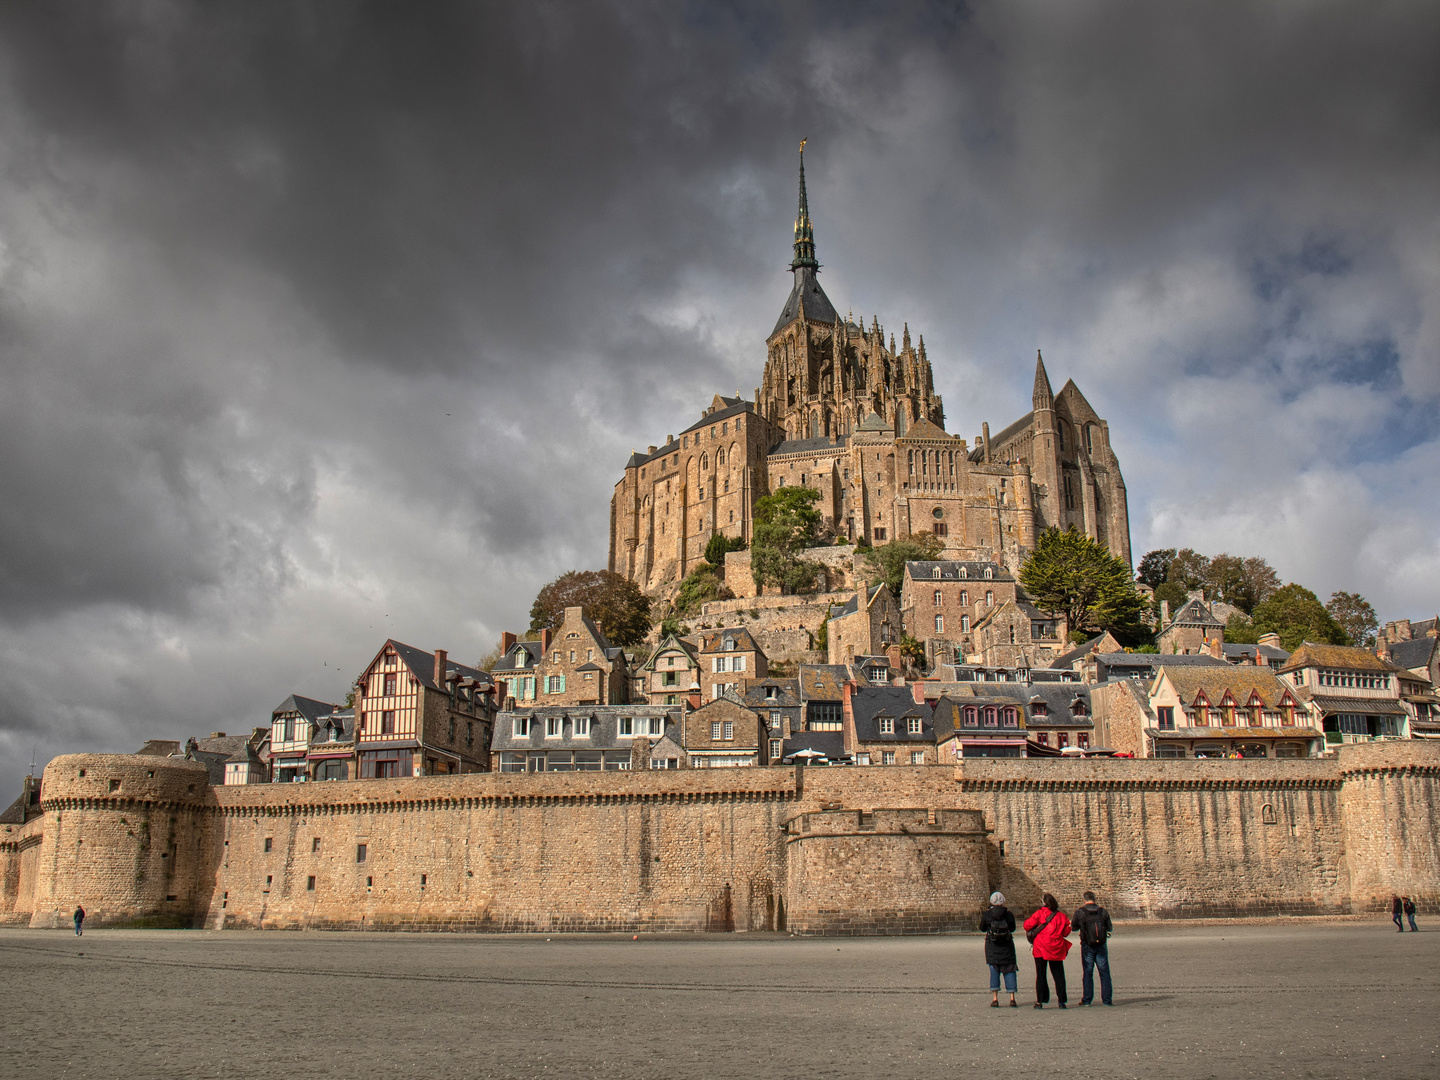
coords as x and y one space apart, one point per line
1092 922
79 920
1048 932
999 926
1409 907
1395 909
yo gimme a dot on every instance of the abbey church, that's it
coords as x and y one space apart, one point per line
856 418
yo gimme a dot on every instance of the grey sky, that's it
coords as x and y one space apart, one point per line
323 323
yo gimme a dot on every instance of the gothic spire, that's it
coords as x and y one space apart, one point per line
1043 397
804 231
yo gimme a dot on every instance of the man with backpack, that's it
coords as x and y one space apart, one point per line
1093 923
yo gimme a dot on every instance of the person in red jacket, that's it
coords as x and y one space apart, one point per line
1049 932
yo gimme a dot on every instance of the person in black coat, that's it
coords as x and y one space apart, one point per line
1395 909
999 926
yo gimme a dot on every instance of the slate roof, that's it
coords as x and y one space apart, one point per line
978 454
924 429
1310 654
1328 703
734 406
950 571
1414 655
508 661
1193 613
309 708
870 703
1065 660
950 717
1270 652
604 727
714 641
808 446
1144 665
671 643
422 666
787 694
874 422
1241 682
1059 700
807 298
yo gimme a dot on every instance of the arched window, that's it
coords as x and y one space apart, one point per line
704 462
970 716
990 716
964 597
989 572
1089 444
1010 718
935 573
1060 433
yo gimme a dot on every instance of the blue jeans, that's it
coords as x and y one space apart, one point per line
1412 923
1091 957
995 980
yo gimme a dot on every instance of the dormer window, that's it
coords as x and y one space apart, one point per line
887 725
989 572
964 572
935 573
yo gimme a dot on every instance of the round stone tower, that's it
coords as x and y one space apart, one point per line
1390 796
127 837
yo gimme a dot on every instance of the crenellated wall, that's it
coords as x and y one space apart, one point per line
144 841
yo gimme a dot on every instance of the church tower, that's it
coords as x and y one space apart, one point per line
824 375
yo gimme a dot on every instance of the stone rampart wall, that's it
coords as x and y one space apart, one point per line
717 849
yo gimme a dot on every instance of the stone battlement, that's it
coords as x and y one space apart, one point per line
899 849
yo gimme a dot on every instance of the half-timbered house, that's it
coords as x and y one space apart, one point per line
419 714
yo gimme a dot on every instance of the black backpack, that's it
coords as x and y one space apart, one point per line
1092 930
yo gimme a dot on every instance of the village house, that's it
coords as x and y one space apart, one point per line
1351 694
575 738
669 675
419 714
1015 633
724 733
885 725
1191 630
579 666
822 696
869 623
1225 712
331 755
516 671
978 728
292 723
727 659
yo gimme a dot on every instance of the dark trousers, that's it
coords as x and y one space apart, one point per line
1092 957
1042 988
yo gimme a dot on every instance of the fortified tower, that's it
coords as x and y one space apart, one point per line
128 838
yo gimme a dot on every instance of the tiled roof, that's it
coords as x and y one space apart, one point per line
1270 652
306 707
422 665
808 446
787 694
950 718
997 441
1241 682
1311 654
522 656
806 297
715 641
823 682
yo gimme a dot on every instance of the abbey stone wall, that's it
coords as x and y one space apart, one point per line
818 850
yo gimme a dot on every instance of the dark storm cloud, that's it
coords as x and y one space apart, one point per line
324 322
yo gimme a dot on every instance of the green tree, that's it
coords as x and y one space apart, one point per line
1173 593
913 649
719 546
700 586
1240 631
1355 615
1070 574
786 523
1154 568
615 602
1242 582
1296 614
1190 570
887 562
822 636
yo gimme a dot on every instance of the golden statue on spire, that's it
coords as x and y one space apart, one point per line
802 145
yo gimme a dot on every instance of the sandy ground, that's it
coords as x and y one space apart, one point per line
1296 999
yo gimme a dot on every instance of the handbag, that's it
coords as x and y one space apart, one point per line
1031 935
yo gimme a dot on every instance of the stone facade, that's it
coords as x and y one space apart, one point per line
148 842
729 659
724 733
851 415
870 624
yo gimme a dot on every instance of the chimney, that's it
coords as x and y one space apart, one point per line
985 437
918 691
544 641
507 642
694 699
1215 648
1382 649
509 704
1272 640
1164 613
441 660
